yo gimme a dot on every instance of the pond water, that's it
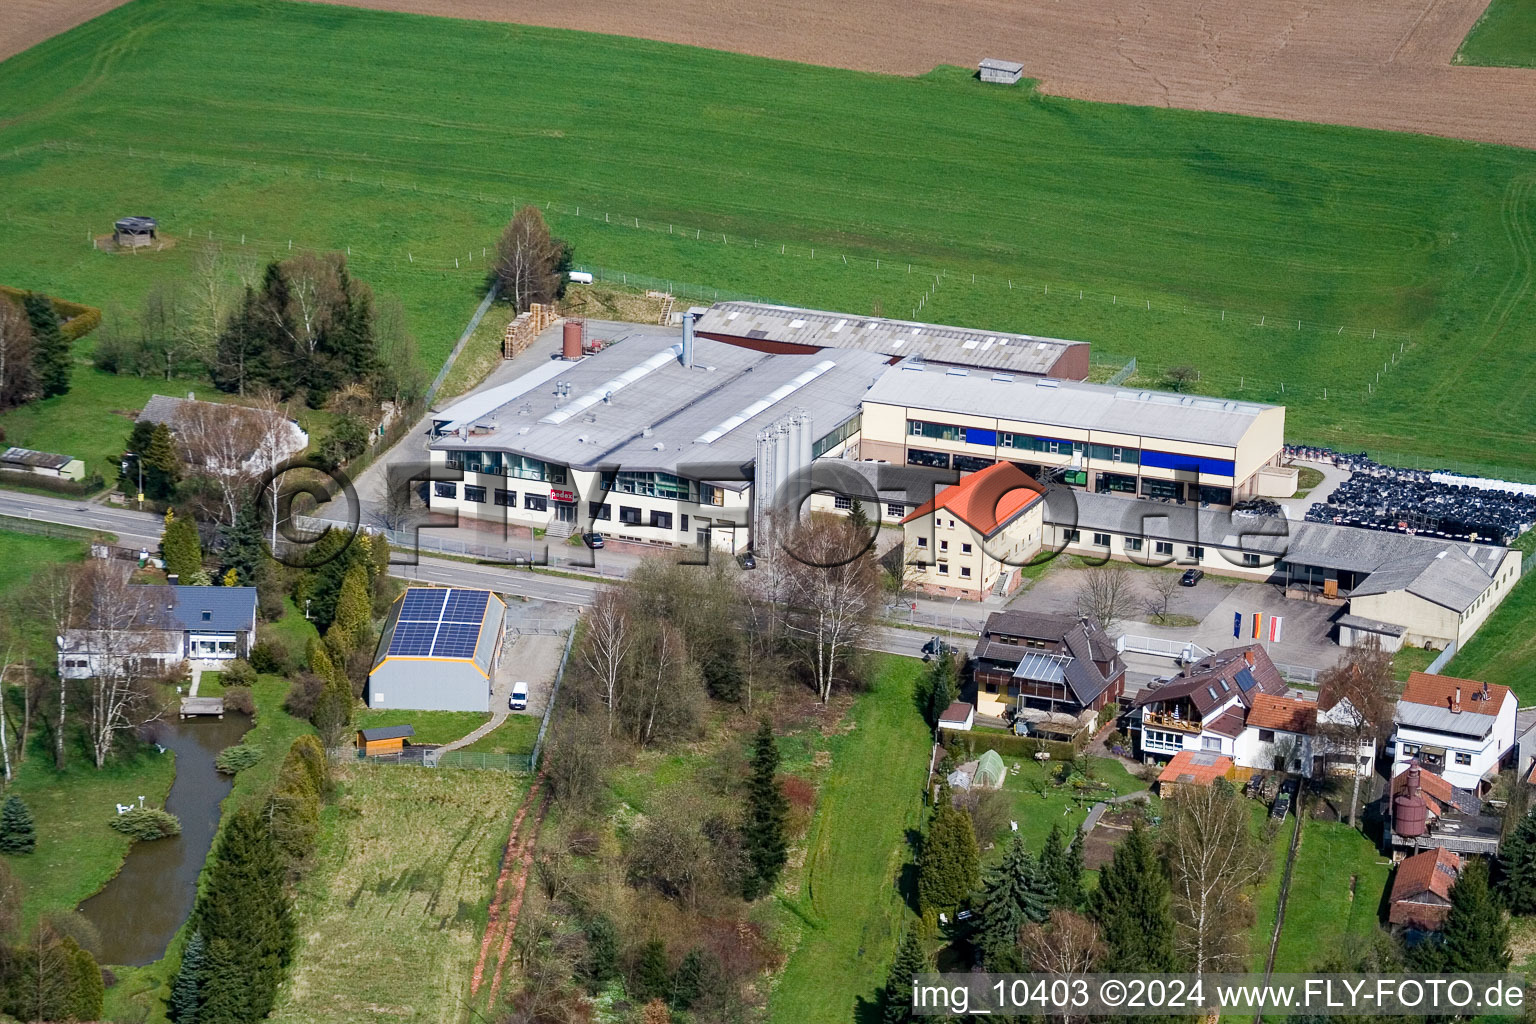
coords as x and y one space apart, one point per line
140 910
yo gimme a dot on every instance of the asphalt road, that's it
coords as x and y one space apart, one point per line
143 529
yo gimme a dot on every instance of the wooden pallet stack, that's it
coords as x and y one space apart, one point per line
525 327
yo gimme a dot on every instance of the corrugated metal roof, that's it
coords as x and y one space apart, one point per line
30 458
960 346
1443 719
1155 415
1450 578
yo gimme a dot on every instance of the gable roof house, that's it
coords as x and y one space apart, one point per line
1337 722
1232 703
971 537
175 624
1460 729
1032 661
1421 891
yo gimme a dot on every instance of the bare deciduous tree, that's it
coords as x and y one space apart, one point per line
1106 593
17 383
1164 586
211 295
1358 697
115 629
57 593
606 647
1066 944
1213 862
529 261
831 589
314 293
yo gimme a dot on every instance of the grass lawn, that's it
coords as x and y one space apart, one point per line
1411 659
1335 894
514 736
22 556
1039 801
1306 479
856 851
1504 35
210 684
430 726
293 631
1504 649
1172 236
1266 898
482 353
389 919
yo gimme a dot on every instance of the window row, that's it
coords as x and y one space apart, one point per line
507 464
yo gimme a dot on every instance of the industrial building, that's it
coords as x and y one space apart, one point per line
438 651
789 330
648 440
1108 440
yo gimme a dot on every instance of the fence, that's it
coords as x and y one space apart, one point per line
1297 674
554 695
1443 659
425 757
1179 650
458 347
19 524
1123 374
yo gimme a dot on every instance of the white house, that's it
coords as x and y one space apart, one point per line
177 624
1339 717
1458 729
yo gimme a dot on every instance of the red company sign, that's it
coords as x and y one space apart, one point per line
559 495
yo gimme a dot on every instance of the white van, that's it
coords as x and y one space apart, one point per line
519 698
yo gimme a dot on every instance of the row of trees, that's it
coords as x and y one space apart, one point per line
35 359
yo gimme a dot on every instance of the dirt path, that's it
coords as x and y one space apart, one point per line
1372 63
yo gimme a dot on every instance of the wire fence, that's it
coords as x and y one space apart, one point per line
36 527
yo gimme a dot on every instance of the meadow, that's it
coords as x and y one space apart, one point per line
1504 36
1503 650
1335 897
1286 262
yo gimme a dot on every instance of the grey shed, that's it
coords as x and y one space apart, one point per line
438 651
1003 72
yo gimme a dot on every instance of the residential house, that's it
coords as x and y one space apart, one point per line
1231 703
1421 892
1338 723
973 536
176 624
1458 728
1053 663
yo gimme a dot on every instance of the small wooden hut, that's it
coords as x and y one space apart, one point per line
389 739
134 232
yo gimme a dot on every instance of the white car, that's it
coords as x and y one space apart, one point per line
519 699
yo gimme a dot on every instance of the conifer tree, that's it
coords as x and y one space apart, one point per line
246 552
1063 865
941 687
51 359
162 466
181 547
763 835
1475 939
949 866
858 519
652 979
688 982
1017 891
353 607
87 992
896 996
243 914
17 833
602 960
186 992
231 578
1517 865
1133 908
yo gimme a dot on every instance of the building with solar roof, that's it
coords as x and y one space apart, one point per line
438 651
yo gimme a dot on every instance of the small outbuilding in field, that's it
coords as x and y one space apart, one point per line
388 739
134 232
960 716
25 460
1000 72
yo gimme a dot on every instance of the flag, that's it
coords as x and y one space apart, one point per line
1237 625
1258 625
1274 629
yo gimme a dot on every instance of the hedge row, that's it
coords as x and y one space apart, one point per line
1019 746
79 319
56 484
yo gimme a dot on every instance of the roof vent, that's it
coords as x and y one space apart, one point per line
1456 702
658 447
646 432
1002 378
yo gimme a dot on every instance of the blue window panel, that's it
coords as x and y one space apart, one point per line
977 435
465 606
1187 463
423 605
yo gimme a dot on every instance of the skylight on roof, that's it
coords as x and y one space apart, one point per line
969 344
797 322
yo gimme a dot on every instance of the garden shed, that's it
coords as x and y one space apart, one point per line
389 739
1000 72
134 232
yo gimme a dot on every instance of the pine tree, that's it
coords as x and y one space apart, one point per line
186 992
1517 866
87 991
949 866
162 466
602 960
128 467
51 360
1016 891
246 552
353 607
652 979
319 659
689 981
896 996
1475 939
181 547
1063 865
17 833
941 688
243 914
1132 907
763 835
858 519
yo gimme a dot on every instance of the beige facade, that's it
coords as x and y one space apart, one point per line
1433 625
958 560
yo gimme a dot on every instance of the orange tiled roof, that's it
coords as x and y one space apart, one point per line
1192 767
1436 791
1439 691
1270 711
987 500
1431 873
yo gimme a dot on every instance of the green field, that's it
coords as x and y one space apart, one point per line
853 915
1504 649
1504 35
1335 897
272 121
431 726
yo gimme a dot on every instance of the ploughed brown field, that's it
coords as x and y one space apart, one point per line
1371 63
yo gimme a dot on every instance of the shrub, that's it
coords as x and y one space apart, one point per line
58 485
269 657
1019 746
238 673
238 698
17 833
237 758
147 823
801 796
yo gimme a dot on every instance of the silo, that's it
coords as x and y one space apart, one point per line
1408 811
571 339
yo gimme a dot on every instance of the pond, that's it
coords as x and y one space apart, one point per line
140 910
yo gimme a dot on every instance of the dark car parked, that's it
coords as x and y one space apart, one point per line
592 540
1191 577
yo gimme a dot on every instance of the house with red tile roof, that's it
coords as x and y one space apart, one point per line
1461 729
974 535
1421 890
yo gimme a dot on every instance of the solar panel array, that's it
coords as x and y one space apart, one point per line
438 623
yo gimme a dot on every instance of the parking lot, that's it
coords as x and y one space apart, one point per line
531 653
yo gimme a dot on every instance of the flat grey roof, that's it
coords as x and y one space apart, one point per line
963 346
634 406
1439 719
1066 403
997 64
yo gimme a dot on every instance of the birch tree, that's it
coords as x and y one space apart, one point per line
606 648
57 595
832 591
530 263
117 622
1214 863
